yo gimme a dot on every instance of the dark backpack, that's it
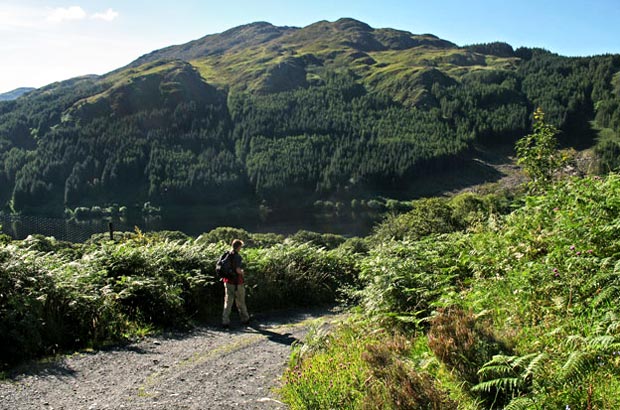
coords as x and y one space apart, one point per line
224 268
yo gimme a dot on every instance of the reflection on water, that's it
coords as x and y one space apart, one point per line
190 222
19 227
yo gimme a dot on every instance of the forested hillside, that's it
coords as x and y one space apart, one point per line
16 93
286 116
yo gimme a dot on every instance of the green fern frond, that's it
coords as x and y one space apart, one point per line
578 365
504 383
520 361
607 294
575 341
613 327
556 331
495 371
519 403
500 359
535 365
512 373
602 342
499 365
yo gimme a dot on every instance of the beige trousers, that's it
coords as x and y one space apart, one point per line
236 294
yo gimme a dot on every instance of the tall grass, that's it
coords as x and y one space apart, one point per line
359 368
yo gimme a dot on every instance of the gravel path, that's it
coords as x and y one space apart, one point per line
208 368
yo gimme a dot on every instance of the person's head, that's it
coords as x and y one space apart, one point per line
237 244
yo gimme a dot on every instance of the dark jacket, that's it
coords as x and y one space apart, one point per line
237 263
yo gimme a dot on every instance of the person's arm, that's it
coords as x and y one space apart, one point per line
239 265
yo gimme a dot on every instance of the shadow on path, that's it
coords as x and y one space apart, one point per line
55 367
282 338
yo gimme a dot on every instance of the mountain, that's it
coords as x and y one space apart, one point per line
260 57
16 93
284 117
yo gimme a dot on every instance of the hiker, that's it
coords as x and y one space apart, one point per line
234 291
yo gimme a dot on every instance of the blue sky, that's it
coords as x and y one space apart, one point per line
46 41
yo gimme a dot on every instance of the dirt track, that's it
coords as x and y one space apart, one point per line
207 368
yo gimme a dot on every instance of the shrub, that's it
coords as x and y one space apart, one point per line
404 280
355 246
56 295
224 234
175 236
5 239
537 152
23 291
251 240
162 283
266 240
46 306
43 243
462 342
428 216
325 240
297 274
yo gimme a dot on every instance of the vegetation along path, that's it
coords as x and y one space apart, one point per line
206 368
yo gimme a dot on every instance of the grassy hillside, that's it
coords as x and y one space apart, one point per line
282 117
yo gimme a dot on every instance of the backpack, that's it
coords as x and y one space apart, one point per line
224 267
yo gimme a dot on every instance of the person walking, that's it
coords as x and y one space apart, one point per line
234 290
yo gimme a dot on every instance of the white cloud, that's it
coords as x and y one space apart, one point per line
61 14
109 15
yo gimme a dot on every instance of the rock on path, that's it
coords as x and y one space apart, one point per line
207 368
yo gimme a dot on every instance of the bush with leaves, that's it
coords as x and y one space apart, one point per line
465 343
538 153
228 234
297 275
395 383
442 215
324 240
404 280
428 216
160 282
47 304
355 246
4 238
549 273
